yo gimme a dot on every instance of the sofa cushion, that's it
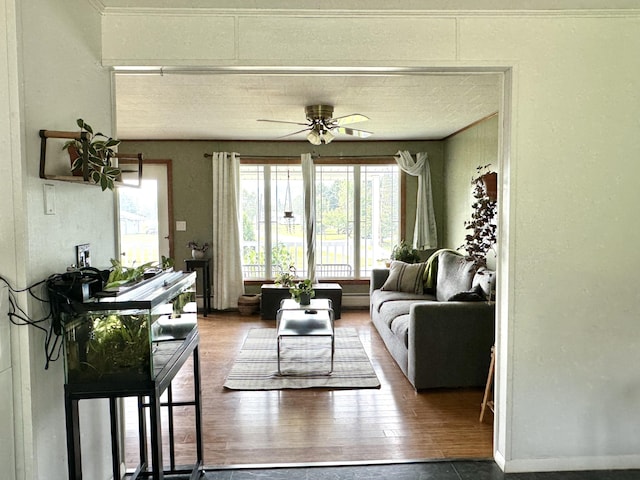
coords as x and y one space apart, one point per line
474 295
455 275
400 328
484 279
405 277
430 276
380 297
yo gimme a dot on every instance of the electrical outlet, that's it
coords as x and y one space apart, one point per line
181 226
83 255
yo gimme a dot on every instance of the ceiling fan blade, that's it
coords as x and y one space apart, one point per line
354 132
295 133
353 118
280 121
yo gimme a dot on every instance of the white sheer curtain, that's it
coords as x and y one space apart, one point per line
228 284
424 234
309 184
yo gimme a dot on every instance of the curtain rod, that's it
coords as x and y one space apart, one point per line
313 155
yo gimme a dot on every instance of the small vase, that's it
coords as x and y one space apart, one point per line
197 254
305 298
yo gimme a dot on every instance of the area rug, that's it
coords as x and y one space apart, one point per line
305 363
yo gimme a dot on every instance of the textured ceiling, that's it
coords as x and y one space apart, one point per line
226 106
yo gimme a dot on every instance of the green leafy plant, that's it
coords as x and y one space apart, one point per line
300 288
404 252
286 279
482 226
99 156
193 245
167 262
121 275
108 344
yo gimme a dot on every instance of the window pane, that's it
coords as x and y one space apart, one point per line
357 210
253 226
287 219
379 214
335 221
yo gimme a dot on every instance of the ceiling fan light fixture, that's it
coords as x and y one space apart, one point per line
314 138
327 136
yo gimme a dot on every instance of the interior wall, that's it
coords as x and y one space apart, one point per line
192 178
9 140
60 80
463 153
564 398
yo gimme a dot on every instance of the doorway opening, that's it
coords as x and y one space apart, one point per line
144 217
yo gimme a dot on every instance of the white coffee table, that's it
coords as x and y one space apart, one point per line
305 323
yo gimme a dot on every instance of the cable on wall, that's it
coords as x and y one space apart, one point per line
19 317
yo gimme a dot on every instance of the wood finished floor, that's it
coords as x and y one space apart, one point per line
393 423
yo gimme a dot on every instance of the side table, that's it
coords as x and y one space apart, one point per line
192 265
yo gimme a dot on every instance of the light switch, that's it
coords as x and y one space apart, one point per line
49 199
181 226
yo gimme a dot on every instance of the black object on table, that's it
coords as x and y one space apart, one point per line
192 265
271 295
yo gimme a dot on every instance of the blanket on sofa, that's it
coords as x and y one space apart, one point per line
431 269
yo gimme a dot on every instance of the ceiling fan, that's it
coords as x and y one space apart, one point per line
323 127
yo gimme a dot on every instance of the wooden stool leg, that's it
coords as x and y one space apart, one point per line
487 389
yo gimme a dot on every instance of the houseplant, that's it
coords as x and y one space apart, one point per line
302 292
99 156
198 251
286 279
404 252
482 226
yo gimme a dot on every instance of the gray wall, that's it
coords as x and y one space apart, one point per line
192 172
463 153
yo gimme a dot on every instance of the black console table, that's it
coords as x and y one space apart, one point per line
192 265
169 358
271 295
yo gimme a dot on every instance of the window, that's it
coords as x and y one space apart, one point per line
357 217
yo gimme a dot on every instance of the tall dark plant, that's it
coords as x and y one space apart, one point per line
481 236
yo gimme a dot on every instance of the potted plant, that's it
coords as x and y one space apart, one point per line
404 252
197 251
482 226
286 279
99 156
302 292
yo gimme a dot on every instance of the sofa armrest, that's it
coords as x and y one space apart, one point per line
378 277
450 343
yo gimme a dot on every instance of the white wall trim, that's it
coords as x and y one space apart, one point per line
352 12
615 462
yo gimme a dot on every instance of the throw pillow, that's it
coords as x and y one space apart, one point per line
473 295
404 277
455 274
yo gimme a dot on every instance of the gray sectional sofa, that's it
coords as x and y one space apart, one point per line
435 320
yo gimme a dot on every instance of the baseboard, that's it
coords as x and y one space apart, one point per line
355 300
613 462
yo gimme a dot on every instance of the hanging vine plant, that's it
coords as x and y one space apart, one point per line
481 236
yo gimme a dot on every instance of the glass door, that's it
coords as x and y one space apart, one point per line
144 217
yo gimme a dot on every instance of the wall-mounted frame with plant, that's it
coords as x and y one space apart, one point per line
482 227
98 151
